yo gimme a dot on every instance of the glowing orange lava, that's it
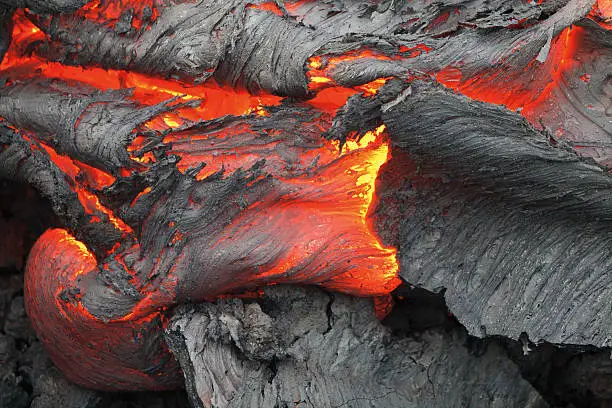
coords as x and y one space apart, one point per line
268 6
336 194
89 201
521 92
602 13
318 69
110 12
215 100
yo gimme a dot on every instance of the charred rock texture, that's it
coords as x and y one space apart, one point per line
190 236
545 210
22 220
566 376
307 347
168 199
45 6
247 44
512 53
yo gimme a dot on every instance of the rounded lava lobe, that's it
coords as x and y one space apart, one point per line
106 333
112 355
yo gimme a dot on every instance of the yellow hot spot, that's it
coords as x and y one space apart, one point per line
258 110
315 63
142 84
79 247
369 137
367 181
320 79
368 169
171 120
371 88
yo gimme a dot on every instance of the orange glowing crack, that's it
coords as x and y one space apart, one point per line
514 95
90 202
318 70
146 191
109 12
268 6
148 90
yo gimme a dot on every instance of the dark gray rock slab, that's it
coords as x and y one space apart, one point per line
302 346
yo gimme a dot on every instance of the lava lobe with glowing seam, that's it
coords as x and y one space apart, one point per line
304 223
309 229
92 352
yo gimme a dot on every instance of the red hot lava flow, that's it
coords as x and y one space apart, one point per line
255 198
304 221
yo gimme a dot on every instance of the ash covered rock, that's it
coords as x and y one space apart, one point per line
304 346
542 265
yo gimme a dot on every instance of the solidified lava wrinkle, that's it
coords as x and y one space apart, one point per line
197 150
291 208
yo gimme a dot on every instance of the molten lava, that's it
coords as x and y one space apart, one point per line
293 209
115 355
19 63
518 92
602 13
213 191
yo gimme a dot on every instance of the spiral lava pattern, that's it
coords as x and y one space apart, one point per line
106 355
